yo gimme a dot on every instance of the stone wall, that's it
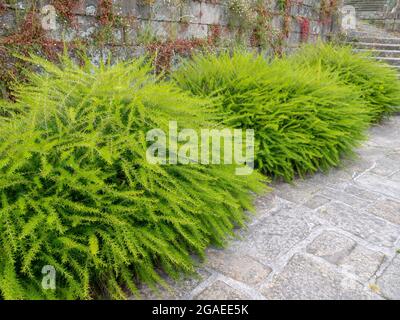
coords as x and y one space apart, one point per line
136 23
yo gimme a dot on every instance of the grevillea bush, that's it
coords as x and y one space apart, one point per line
376 82
304 119
78 194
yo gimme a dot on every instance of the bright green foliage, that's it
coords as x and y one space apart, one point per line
78 194
377 83
304 121
6 109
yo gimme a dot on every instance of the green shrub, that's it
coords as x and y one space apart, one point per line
7 109
377 83
78 194
303 120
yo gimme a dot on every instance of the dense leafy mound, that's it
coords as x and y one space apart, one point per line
78 194
6 109
377 83
304 120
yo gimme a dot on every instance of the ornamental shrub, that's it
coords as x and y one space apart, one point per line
77 192
304 120
377 83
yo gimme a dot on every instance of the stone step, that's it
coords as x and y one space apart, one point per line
397 68
381 53
381 45
372 46
372 39
365 2
368 9
370 14
389 60
374 32
371 8
383 2
377 4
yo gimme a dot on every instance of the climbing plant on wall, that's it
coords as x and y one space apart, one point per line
28 36
260 24
255 17
328 8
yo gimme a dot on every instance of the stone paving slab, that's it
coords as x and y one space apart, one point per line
331 236
305 277
251 271
389 281
219 290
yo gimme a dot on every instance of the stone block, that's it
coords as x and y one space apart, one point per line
162 10
351 189
7 23
385 167
307 279
395 177
295 26
304 11
380 185
160 30
294 39
192 12
386 135
86 27
299 192
316 202
125 8
359 223
211 13
179 289
86 7
193 31
389 281
277 22
363 262
129 52
346 253
143 11
315 27
22 4
356 167
294 9
342 196
331 246
387 209
274 235
131 30
238 266
220 291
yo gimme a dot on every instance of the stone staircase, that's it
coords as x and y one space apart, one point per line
384 46
368 9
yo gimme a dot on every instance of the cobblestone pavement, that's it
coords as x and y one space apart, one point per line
333 236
